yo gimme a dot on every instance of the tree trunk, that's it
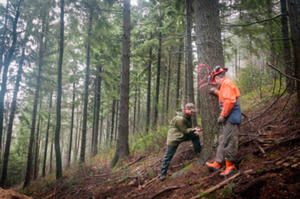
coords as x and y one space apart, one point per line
59 93
189 57
163 96
178 98
47 136
86 89
37 140
35 103
7 61
134 108
210 51
11 120
122 148
290 85
168 84
97 109
72 126
117 119
148 111
158 74
112 120
101 130
294 14
3 44
51 156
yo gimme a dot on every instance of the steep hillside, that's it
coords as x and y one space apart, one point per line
268 166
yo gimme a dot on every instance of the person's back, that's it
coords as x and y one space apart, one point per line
179 126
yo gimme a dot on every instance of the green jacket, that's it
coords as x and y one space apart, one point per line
180 126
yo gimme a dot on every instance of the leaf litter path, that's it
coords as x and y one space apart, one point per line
269 167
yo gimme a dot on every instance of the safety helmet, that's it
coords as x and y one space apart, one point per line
217 70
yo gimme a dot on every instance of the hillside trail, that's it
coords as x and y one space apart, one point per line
268 161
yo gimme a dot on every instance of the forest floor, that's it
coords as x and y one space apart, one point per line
268 161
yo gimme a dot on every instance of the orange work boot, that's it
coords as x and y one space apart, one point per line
230 169
215 166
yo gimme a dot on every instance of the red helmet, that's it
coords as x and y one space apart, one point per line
217 70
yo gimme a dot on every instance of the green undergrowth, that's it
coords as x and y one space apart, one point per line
260 96
148 142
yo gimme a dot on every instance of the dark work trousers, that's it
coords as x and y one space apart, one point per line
172 149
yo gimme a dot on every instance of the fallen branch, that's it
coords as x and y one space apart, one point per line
286 75
267 109
255 22
165 190
221 184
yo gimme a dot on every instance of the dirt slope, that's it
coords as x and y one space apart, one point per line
268 167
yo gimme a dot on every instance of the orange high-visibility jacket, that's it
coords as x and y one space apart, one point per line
228 95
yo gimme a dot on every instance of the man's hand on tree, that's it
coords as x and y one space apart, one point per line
221 119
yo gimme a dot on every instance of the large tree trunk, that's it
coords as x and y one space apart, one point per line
290 85
47 136
148 111
71 127
294 14
11 120
7 61
189 57
86 89
122 148
210 51
158 74
59 92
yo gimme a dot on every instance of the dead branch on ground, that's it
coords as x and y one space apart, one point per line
221 184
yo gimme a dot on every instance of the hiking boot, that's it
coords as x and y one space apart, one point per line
230 169
162 177
213 166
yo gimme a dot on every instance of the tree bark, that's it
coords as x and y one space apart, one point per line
3 44
290 84
11 120
51 156
112 120
122 148
59 93
158 73
168 83
37 140
294 14
189 57
210 52
7 61
97 109
72 126
47 136
86 89
148 111
178 98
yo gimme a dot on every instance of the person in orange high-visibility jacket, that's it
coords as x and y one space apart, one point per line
229 120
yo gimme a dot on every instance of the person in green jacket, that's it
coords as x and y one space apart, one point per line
180 130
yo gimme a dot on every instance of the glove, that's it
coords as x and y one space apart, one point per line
213 91
221 119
